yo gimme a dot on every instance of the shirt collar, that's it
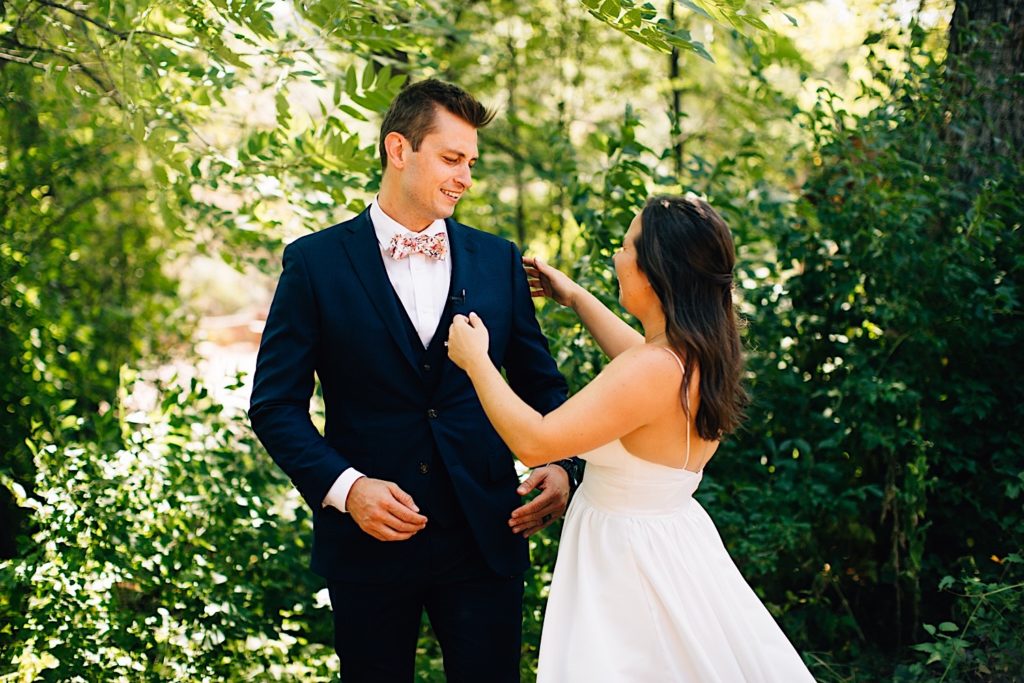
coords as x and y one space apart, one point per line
387 227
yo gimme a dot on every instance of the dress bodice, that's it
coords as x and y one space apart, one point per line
619 482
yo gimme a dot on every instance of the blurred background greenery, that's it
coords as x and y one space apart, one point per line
155 157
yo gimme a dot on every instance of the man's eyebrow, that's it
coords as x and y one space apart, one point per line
461 155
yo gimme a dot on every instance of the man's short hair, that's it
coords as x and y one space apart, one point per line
412 112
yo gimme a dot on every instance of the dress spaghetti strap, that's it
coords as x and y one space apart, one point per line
683 370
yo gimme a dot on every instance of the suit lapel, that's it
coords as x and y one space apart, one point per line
364 253
464 267
465 278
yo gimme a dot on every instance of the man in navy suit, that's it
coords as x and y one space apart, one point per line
416 502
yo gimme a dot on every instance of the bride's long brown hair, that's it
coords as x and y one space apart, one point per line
687 253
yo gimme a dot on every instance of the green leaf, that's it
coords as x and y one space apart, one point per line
351 86
755 22
696 8
611 8
353 112
283 110
160 174
632 18
369 75
18 491
395 84
698 48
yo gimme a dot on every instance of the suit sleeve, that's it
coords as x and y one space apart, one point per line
283 386
531 371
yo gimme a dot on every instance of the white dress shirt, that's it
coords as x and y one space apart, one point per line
422 285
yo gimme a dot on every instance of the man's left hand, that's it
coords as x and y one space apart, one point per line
553 483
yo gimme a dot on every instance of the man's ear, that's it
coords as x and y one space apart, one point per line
397 146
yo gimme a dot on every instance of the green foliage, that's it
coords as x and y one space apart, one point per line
81 289
165 547
879 275
879 427
882 307
642 23
602 207
121 170
107 179
989 645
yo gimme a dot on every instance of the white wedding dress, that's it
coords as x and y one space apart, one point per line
644 591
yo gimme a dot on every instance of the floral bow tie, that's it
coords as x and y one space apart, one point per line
432 246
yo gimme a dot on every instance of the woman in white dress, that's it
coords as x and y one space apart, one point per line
644 590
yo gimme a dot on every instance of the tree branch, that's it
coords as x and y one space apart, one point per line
123 35
22 60
75 65
85 17
113 91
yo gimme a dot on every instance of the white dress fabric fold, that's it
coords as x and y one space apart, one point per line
644 590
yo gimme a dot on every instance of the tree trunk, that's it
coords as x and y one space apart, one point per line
677 105
986 67
517 161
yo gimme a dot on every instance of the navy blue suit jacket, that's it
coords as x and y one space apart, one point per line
335 314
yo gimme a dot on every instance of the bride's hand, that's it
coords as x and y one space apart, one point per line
550 282
467 341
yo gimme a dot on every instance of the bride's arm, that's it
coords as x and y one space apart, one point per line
630 392
610 331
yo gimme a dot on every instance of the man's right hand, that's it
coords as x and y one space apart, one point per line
383 510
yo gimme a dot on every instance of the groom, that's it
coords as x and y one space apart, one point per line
414 497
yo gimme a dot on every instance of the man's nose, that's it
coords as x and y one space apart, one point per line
465 176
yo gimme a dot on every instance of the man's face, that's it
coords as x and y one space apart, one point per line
434 177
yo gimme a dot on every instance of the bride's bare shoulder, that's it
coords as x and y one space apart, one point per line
646 362
654 354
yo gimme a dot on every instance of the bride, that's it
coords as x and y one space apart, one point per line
643 588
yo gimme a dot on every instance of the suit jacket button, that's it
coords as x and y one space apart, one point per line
426 367
432 414
424 468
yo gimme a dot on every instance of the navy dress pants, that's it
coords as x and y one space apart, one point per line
475 614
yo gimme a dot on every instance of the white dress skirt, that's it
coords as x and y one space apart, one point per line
644 590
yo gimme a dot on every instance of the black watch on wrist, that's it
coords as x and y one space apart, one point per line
574 468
